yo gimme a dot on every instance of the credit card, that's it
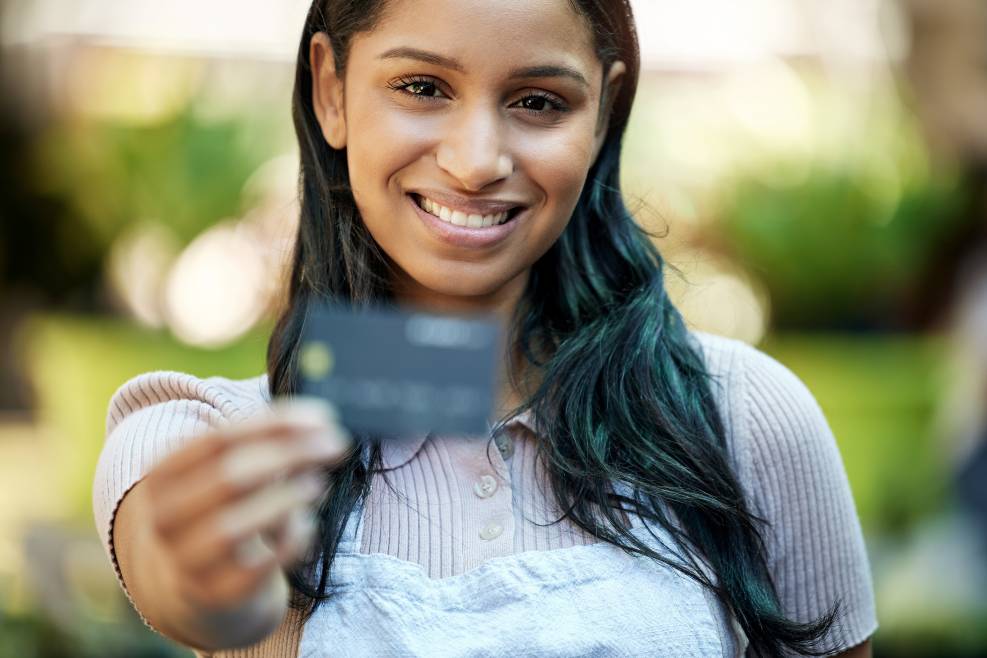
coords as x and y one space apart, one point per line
394 372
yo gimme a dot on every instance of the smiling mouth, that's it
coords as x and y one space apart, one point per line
459 218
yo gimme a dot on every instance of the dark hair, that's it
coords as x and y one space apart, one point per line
623 394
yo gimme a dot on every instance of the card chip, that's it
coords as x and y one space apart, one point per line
316 360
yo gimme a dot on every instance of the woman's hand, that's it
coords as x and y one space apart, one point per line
206 509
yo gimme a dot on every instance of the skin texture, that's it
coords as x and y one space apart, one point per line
482 136
468 128
188 535
471 132
467 133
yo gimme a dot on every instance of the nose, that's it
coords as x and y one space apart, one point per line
472 151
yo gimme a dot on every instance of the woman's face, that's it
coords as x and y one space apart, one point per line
465 111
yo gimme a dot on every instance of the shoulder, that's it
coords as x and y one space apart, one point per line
762 389
226 400
789 465
744 364
779 440
768 410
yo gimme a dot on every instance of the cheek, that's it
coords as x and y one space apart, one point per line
557 163
380 143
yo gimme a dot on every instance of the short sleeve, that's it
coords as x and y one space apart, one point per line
795 477
149 417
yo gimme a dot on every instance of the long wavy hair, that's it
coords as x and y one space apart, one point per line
623 393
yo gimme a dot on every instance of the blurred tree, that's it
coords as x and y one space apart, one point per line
832 252
947 72
73 184
186 171
45 253
47 258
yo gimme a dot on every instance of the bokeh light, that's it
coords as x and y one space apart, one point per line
814 174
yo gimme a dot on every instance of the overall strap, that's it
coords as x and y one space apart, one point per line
350 541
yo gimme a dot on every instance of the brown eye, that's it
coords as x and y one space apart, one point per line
419 87
542 104
534 103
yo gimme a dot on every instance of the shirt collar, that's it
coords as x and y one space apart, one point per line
398 452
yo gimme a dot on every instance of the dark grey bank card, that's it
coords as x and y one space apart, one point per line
394 372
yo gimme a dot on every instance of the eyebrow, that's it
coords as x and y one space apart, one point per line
542 71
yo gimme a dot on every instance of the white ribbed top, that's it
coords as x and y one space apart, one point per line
780 446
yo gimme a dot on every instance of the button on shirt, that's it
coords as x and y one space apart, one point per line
491 531
505 444
460 500
485 486
779 443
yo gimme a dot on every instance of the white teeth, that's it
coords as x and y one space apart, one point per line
460 218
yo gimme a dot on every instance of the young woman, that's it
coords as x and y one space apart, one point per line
653 491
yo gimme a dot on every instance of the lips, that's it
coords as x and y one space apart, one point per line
466 218
468 205
465 236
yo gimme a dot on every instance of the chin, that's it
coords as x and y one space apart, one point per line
461 287
453 282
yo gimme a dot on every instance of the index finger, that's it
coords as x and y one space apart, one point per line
286 418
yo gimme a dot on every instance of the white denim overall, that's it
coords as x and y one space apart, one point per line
591 600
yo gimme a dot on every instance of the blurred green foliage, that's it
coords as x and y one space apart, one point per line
838 243
29 636
77 185
880 394
963 636
186 172
75 363
843 237
42 248
34 636
831 253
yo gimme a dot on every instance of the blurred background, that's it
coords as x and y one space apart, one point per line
817 171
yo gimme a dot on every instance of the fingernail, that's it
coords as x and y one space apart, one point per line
311 486
301 525
245 464
297 538
307 406
307 410
251 552
336 438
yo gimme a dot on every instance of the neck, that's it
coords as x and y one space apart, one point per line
502 303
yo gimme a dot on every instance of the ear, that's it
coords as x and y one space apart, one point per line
611 88
327 91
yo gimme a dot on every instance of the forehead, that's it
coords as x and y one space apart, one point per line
484 34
